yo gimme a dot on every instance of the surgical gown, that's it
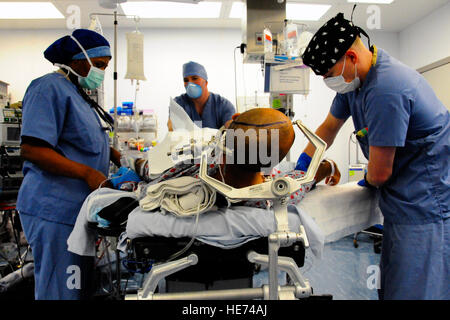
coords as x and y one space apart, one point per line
54 112
217 111
400 110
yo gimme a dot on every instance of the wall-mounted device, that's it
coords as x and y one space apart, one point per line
4 98
260 14
10 161
10 123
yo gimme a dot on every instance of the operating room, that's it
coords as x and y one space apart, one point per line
341 226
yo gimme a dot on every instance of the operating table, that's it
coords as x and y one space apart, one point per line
201 265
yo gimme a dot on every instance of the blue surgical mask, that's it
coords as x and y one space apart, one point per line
95 76
339 84
193 90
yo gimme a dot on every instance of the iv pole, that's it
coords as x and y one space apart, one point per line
136 19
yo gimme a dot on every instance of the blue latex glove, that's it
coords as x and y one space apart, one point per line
124 175
303 162
94 217
362 183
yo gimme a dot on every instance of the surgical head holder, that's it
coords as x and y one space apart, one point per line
277 190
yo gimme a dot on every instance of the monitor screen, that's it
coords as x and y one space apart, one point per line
13 134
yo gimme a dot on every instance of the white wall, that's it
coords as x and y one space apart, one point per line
22 57
165 51
428 40
388 41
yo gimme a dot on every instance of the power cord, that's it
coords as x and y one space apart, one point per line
16 238
242 48
177 254
235 77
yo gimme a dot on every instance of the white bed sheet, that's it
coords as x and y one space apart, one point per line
327 213
224 227
342 210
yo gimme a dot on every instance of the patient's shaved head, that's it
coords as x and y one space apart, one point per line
264 130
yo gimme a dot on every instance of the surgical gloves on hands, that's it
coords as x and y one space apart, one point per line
125 179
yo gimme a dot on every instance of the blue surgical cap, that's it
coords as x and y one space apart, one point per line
194 69
66 49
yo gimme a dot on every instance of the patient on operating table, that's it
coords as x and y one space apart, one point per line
141 189
242 171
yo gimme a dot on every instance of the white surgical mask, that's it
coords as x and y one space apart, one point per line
339 84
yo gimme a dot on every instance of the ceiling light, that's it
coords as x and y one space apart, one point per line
305 12
236 10
29 10
294 11
110 4
372 1
167 10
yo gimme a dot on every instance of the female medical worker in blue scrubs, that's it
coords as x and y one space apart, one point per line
405 134
206 109
65 145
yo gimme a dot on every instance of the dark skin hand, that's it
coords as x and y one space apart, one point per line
49 160
324 172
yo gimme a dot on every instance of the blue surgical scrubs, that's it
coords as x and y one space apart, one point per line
217 111
400 110
53 111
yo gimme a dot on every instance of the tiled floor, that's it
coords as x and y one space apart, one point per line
343 270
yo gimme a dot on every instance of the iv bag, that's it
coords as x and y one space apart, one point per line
268 46
290 39
135 56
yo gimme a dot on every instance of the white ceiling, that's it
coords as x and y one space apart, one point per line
394 17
